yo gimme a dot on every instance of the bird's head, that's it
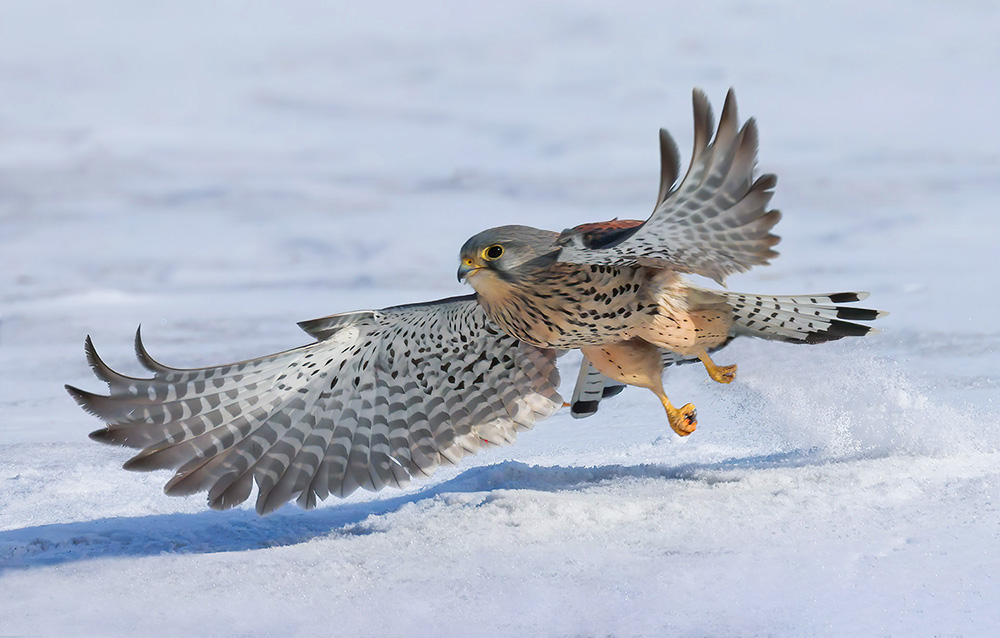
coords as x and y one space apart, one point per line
506 254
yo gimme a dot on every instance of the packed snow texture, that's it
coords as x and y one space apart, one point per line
218 171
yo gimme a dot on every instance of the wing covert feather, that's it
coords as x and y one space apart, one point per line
714 223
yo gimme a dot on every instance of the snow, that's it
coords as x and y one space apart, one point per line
217 172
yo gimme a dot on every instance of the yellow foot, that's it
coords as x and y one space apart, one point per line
722 374
683 421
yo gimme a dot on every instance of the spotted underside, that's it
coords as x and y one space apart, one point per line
383 396
568 305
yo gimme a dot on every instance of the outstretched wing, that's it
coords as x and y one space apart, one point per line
714 223
382 396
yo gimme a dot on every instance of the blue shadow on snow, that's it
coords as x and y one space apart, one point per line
240 530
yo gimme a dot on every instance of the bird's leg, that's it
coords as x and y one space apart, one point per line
683 420
637 362
721 374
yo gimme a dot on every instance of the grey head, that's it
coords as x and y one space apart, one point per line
507 253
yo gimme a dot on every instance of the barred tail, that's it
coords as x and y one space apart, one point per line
591 387
801 318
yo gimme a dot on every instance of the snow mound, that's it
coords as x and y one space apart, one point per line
856 405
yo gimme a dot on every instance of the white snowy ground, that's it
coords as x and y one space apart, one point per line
218 172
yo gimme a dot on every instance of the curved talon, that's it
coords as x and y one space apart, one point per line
723 374
685 420
719 374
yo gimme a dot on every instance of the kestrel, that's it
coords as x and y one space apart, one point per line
383 395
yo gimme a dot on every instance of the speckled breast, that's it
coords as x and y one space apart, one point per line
569 305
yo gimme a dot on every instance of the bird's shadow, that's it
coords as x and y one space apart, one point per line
239 530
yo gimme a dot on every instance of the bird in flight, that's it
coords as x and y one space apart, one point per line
381 396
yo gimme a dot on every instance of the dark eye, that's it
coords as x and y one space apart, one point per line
493 252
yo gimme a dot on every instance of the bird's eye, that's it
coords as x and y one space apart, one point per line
493 252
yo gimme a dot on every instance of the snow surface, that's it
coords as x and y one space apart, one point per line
218 171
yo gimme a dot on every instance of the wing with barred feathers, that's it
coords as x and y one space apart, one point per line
382 396
714 223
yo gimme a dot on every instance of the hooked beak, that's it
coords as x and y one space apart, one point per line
467 269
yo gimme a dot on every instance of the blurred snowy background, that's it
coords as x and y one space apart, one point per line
219 171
